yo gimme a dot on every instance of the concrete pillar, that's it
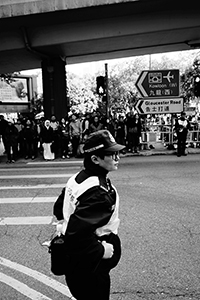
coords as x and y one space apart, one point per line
54 88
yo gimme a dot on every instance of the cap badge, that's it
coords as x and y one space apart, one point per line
111 138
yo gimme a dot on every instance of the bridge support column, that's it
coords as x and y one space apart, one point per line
54 88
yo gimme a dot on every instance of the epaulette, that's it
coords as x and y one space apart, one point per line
103 184
104 188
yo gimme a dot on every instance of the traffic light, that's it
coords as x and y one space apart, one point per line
100 85
197 85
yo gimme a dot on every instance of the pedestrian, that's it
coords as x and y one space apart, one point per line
121 132
56 137
3 125
133 131
85 126
136 134
75 131
64 136
30 138
11 141
91 220
95 125
20 141
47 140
182 126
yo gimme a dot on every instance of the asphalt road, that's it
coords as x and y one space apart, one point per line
160 228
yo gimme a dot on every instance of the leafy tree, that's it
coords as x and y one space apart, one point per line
81 94
187 80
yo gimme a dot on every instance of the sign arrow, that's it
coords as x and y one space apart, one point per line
159 106
139 83
159 83
139 107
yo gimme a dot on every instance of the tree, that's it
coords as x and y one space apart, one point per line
187 80
81 94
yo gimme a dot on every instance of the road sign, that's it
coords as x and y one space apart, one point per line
158 83
159 106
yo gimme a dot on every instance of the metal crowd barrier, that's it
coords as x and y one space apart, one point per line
168 137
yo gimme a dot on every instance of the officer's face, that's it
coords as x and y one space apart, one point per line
110 161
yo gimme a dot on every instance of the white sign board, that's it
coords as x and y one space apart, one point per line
159 106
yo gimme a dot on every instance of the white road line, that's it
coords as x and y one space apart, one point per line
28 200
27 187
63 289
55 162
22 288
38 169
36 176
44 220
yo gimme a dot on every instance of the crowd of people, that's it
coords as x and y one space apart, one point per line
27 138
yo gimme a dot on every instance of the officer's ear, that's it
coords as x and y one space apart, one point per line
95 159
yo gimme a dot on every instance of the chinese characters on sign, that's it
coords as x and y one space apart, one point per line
160 92
160 87
163 83
159 106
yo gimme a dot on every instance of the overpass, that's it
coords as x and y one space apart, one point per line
52 33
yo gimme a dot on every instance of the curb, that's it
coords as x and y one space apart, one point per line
59 160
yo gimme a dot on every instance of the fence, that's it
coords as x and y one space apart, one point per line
167 136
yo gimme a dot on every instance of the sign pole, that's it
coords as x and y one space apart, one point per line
107 94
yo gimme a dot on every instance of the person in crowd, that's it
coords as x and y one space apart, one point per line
111 125
47 137
3 125
85 126
91 220
39 125
11 139
56 137
121 132
96 124
75 132
136 134
20 141
64 135
30 138
133 131
182 126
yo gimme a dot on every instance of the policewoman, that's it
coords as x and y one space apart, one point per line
91 220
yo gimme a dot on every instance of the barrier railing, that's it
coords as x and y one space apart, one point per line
169 137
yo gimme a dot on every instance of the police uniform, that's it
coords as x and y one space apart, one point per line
182 125
90 212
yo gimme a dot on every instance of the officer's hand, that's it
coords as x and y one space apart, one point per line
108 250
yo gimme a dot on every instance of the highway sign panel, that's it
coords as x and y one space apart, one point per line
159 106
159 83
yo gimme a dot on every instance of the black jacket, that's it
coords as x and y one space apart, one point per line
94 210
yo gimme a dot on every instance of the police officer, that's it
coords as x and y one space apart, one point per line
91 221
182 126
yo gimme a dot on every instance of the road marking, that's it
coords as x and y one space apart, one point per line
55 162
63 289
46 220
38 169
28 200
39 186
36 176
22 288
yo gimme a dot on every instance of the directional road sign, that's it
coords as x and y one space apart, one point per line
159 106
158 83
